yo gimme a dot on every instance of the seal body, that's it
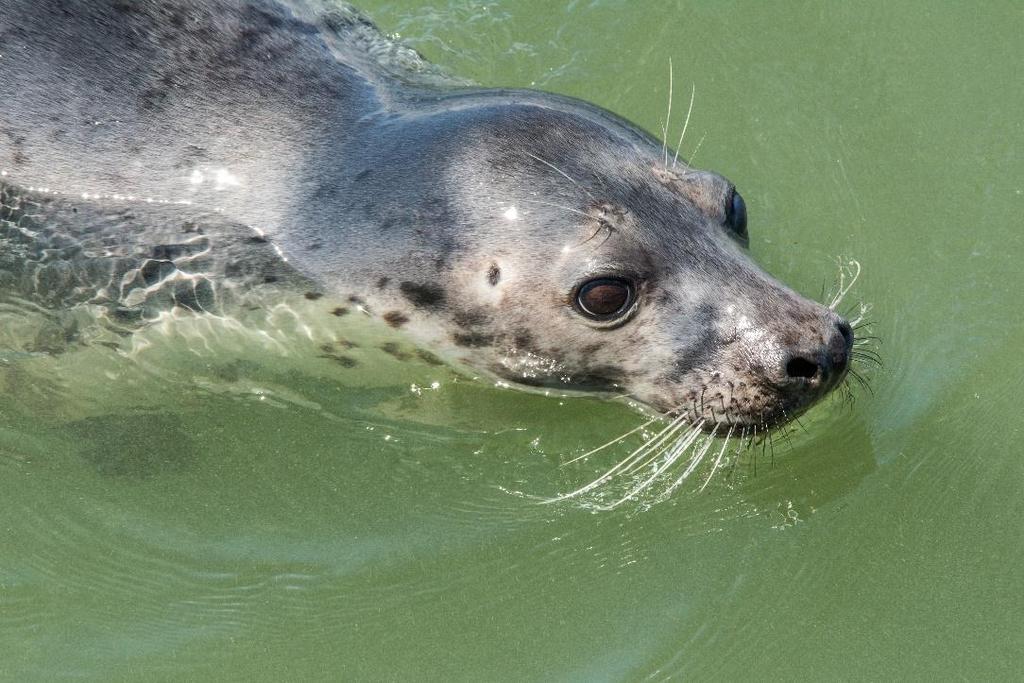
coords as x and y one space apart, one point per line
499 227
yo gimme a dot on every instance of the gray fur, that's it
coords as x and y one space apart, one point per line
464 216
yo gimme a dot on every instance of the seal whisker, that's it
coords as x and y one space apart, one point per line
764 446
674 455
557 206
664 444
686 123
718 460
561 173
671 452
602 227
625 462
668 116
796 419
695 460
784 431
867 356
844 395
861 320
844 286
689 162
667 446
610 443
863 382
745 446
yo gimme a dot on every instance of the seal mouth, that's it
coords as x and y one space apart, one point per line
716 421
756 405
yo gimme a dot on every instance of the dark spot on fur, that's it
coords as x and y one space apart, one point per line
257 239
471 318
494 274
345 343
428 358
313 296
364 174
383 282
355 300
270 278
331 353
473 339
523 340
592 348
315 245
424 295
343 361
340 311
395 318
394 350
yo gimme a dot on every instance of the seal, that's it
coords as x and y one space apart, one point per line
534 237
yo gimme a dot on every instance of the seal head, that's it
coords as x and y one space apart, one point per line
553 247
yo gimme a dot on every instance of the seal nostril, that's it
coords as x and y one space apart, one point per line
801 367
846 331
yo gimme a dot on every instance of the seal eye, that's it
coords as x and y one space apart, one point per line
736 215
604 298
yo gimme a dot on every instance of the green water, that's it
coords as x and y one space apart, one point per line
223 510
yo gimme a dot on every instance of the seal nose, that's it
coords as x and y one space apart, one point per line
825 365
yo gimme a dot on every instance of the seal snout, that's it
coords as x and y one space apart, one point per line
821 367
